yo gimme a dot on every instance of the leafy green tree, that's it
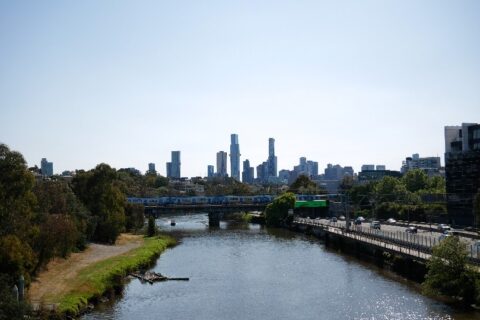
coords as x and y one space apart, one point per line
388 189
276 212
362 195
436 184
134 216
415 180
100 191
17 231
152 228
303 185
448 272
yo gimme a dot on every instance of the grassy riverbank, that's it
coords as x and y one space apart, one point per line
94 280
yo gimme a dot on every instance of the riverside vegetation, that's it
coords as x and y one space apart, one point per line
43 219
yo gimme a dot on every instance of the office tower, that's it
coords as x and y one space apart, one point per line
247 174
173 167
234 157
151 168
462 172
211 171
46 168
221 164
169 170
272 159
262 172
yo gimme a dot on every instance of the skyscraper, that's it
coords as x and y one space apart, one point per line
46 168
247 174
234 157
151 168
221 164
211 171
272 159
173 167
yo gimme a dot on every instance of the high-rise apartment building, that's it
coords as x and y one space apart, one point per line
173 167
221 164
462 172
46 168
234 157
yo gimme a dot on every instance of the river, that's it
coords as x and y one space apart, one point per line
245 271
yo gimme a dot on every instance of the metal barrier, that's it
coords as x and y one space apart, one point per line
411 242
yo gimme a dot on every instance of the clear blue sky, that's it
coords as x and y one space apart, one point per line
126 82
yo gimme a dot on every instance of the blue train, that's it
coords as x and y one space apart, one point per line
216 200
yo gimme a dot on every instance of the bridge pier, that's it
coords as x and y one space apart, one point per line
214 219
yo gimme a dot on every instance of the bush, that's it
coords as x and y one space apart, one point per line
276 212
448 272
152 228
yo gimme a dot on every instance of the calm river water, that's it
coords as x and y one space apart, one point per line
244 271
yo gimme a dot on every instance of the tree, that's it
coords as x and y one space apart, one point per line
100 191
415 180
388 190
303 185
448 273
152 228
276 212
134 216
17 231
10 308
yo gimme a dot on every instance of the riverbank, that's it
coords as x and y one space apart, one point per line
69 285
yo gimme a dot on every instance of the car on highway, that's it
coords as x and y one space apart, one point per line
357 222
443 227
333 219
361 218
375 225
341 218
391 220
411 230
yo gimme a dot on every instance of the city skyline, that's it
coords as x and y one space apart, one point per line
351 83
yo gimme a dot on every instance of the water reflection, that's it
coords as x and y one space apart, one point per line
245 271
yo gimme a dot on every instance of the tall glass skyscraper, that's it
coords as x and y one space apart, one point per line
221 164
272 159
234 157
173 167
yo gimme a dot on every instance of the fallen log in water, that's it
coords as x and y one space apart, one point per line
152 277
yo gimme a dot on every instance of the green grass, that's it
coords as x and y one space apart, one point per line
93 281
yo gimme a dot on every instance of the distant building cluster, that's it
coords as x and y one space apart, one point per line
462 170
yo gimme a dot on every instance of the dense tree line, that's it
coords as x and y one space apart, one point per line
415 196
43 219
